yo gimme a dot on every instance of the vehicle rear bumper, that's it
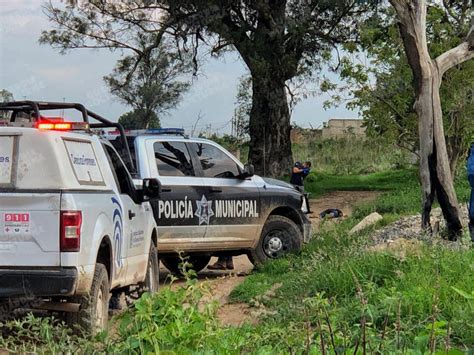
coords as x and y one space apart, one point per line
33 283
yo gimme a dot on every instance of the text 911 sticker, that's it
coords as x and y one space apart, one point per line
16 223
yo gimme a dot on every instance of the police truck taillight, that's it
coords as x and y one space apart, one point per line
71 222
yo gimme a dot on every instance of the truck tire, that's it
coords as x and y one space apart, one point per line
152 279
93 313
280 236
172 263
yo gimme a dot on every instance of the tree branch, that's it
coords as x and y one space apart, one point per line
457 55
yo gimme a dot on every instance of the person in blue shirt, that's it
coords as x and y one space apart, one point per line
298 174
470 177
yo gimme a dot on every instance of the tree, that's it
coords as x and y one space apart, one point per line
139 119
5 96
153 88
379 82
436 178
276 39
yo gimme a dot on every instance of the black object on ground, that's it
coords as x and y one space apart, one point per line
331 213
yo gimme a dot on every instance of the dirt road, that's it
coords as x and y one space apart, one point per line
221 283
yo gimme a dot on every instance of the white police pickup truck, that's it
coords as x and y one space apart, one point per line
211 204
73 227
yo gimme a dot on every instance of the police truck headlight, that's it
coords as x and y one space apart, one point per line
304 205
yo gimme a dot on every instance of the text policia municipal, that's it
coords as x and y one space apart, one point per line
221 209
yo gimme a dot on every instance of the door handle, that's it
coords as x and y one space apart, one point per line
131 214
166 189
215 189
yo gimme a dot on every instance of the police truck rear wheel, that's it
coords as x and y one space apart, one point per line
93 314
173 263
280 236
152 279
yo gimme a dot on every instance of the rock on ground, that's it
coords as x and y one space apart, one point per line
368 221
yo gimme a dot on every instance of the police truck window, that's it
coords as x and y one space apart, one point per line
173 159
122 176
215 163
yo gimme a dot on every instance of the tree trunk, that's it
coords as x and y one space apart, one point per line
270 144
435 172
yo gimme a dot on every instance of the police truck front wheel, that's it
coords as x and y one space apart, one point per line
93 313
174 263
280 236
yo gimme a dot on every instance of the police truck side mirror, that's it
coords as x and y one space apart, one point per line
249 171
151 189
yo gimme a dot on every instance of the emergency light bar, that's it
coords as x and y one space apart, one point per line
177 131
137 132
61 126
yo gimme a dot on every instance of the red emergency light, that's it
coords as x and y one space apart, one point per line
46 125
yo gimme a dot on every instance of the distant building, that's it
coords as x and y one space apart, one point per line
342 127
304 135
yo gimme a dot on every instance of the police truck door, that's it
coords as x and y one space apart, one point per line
233 203
129 221
176 212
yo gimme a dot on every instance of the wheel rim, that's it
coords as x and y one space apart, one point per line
101 312
276 243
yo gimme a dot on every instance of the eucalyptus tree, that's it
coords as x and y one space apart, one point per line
428 72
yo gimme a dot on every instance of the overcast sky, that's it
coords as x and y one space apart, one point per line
38 72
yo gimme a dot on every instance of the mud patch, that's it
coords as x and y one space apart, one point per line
236 314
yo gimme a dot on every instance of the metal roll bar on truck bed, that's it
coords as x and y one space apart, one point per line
33 109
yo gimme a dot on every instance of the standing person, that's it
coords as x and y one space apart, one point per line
298 174
470 177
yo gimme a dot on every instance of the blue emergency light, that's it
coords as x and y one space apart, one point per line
177 131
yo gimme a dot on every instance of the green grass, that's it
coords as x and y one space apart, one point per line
352 155
409 298
404 294
321 183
